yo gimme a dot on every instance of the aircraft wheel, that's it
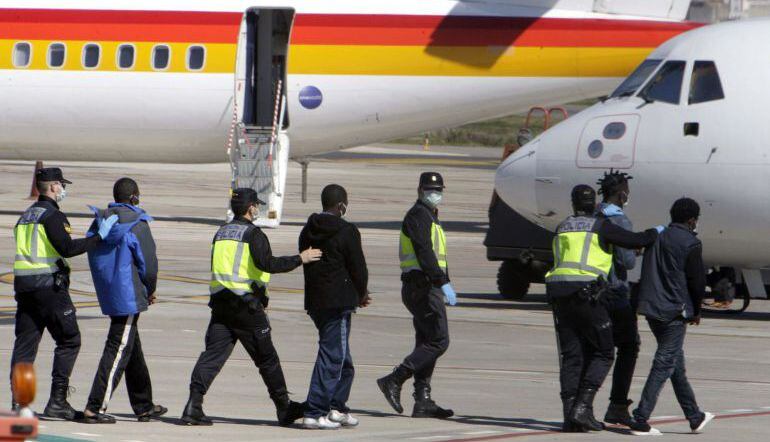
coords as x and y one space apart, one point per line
513 280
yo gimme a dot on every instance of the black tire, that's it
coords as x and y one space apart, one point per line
513 280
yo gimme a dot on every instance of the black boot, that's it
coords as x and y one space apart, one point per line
287 410
193 411
568 426
391 384
582 412
58 407
617 413
424 406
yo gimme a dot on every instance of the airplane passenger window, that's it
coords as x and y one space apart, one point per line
22 55
666 84
91 53
704 83
56 55
195 57
161 55
636 79
126 56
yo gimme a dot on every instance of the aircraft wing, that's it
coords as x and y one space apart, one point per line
666 9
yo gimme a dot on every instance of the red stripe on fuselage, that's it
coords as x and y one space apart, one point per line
160 26
398 30
337 29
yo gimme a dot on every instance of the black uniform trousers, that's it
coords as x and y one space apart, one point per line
252 328
52 310
584 338
625 335
431 329
122 354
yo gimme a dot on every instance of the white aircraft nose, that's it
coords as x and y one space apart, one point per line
515 180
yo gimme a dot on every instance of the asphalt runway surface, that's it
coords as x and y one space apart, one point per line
500 374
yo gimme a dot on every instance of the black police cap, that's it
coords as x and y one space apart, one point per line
244 195
431 180
583 194
51 174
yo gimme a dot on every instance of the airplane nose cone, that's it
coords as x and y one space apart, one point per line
515 180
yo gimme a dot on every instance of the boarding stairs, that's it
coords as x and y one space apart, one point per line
259 157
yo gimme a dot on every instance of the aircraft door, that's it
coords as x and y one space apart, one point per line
263 49
608 142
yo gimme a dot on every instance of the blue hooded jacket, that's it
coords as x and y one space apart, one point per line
124 266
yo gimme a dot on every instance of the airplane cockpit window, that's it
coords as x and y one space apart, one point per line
666 84
56 55
91 54
636 79
22 55
195 57
704 83
161 55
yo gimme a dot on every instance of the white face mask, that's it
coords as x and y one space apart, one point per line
432 198
60 196
254 212
345 209
628 199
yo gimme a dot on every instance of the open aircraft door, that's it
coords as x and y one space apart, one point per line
259 142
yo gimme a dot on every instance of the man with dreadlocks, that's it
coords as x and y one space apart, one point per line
613 187
582 251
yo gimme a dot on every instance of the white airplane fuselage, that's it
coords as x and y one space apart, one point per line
383 69
706 140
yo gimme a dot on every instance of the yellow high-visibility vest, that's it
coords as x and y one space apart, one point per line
408 257
36 258
232 266
577 254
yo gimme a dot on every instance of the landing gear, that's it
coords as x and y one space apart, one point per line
513 280
725 291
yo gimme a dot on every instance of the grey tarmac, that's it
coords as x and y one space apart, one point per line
500 374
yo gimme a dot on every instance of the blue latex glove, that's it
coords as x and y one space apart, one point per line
611 210
106 226
449 294
660 229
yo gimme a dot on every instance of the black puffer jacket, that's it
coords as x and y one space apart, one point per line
339 279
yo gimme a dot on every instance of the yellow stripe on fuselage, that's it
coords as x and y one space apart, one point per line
219 58
469 61
465 61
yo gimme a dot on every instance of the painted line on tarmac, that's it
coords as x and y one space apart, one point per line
656 422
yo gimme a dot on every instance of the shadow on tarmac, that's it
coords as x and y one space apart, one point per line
531 303
512 422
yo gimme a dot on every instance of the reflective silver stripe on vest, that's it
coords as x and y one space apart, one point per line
238 258
570 278
239 292
29 272
36 260
584 267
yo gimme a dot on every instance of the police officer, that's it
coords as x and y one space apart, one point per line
41 282
241 264
422 252
615 190
582 252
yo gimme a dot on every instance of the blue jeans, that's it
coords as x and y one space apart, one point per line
668 363
333 373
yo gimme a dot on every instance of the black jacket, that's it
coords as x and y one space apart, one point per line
340 278
673 276
417 226
609 235
263 258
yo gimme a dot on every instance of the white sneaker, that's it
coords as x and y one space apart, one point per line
322 423
344 419
653 432
708 417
